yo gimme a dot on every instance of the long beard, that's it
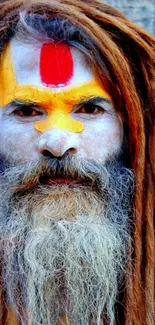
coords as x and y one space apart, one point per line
64 247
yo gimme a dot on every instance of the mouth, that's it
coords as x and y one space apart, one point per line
46 180
58 180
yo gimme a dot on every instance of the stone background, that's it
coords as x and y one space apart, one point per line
141 12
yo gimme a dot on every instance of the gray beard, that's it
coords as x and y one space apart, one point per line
64 247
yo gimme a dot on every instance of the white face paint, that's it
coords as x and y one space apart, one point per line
29 71
99 139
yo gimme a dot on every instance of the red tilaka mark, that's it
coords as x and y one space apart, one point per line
56 64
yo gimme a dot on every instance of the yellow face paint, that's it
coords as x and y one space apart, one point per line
57 104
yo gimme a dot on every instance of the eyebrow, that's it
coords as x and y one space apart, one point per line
83 100
94 100
16 103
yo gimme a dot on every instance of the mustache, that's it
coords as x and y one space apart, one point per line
35 173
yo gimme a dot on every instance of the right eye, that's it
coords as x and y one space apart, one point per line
27 111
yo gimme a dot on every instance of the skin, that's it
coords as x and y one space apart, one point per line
99 140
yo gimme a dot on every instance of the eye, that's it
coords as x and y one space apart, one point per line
27 111
89 108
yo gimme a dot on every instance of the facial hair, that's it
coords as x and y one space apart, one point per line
64 247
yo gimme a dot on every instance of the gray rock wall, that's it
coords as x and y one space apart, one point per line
141 12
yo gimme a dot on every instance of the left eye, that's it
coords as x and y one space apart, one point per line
90 109
27 111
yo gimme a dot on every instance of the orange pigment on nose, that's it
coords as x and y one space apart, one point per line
58 115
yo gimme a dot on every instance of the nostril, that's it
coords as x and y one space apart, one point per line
48 154
72 150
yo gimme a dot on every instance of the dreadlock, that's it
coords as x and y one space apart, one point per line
124 57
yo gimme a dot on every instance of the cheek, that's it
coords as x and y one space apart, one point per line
17 142
102 139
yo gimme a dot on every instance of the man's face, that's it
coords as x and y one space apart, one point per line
53 103
63 244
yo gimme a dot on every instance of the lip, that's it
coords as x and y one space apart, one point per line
59 181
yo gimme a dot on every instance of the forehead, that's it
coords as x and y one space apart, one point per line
52 65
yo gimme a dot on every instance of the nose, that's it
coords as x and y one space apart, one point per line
57 142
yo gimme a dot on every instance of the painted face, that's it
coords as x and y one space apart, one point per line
51 100
53 76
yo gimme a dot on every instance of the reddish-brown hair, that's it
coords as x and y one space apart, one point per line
128 52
